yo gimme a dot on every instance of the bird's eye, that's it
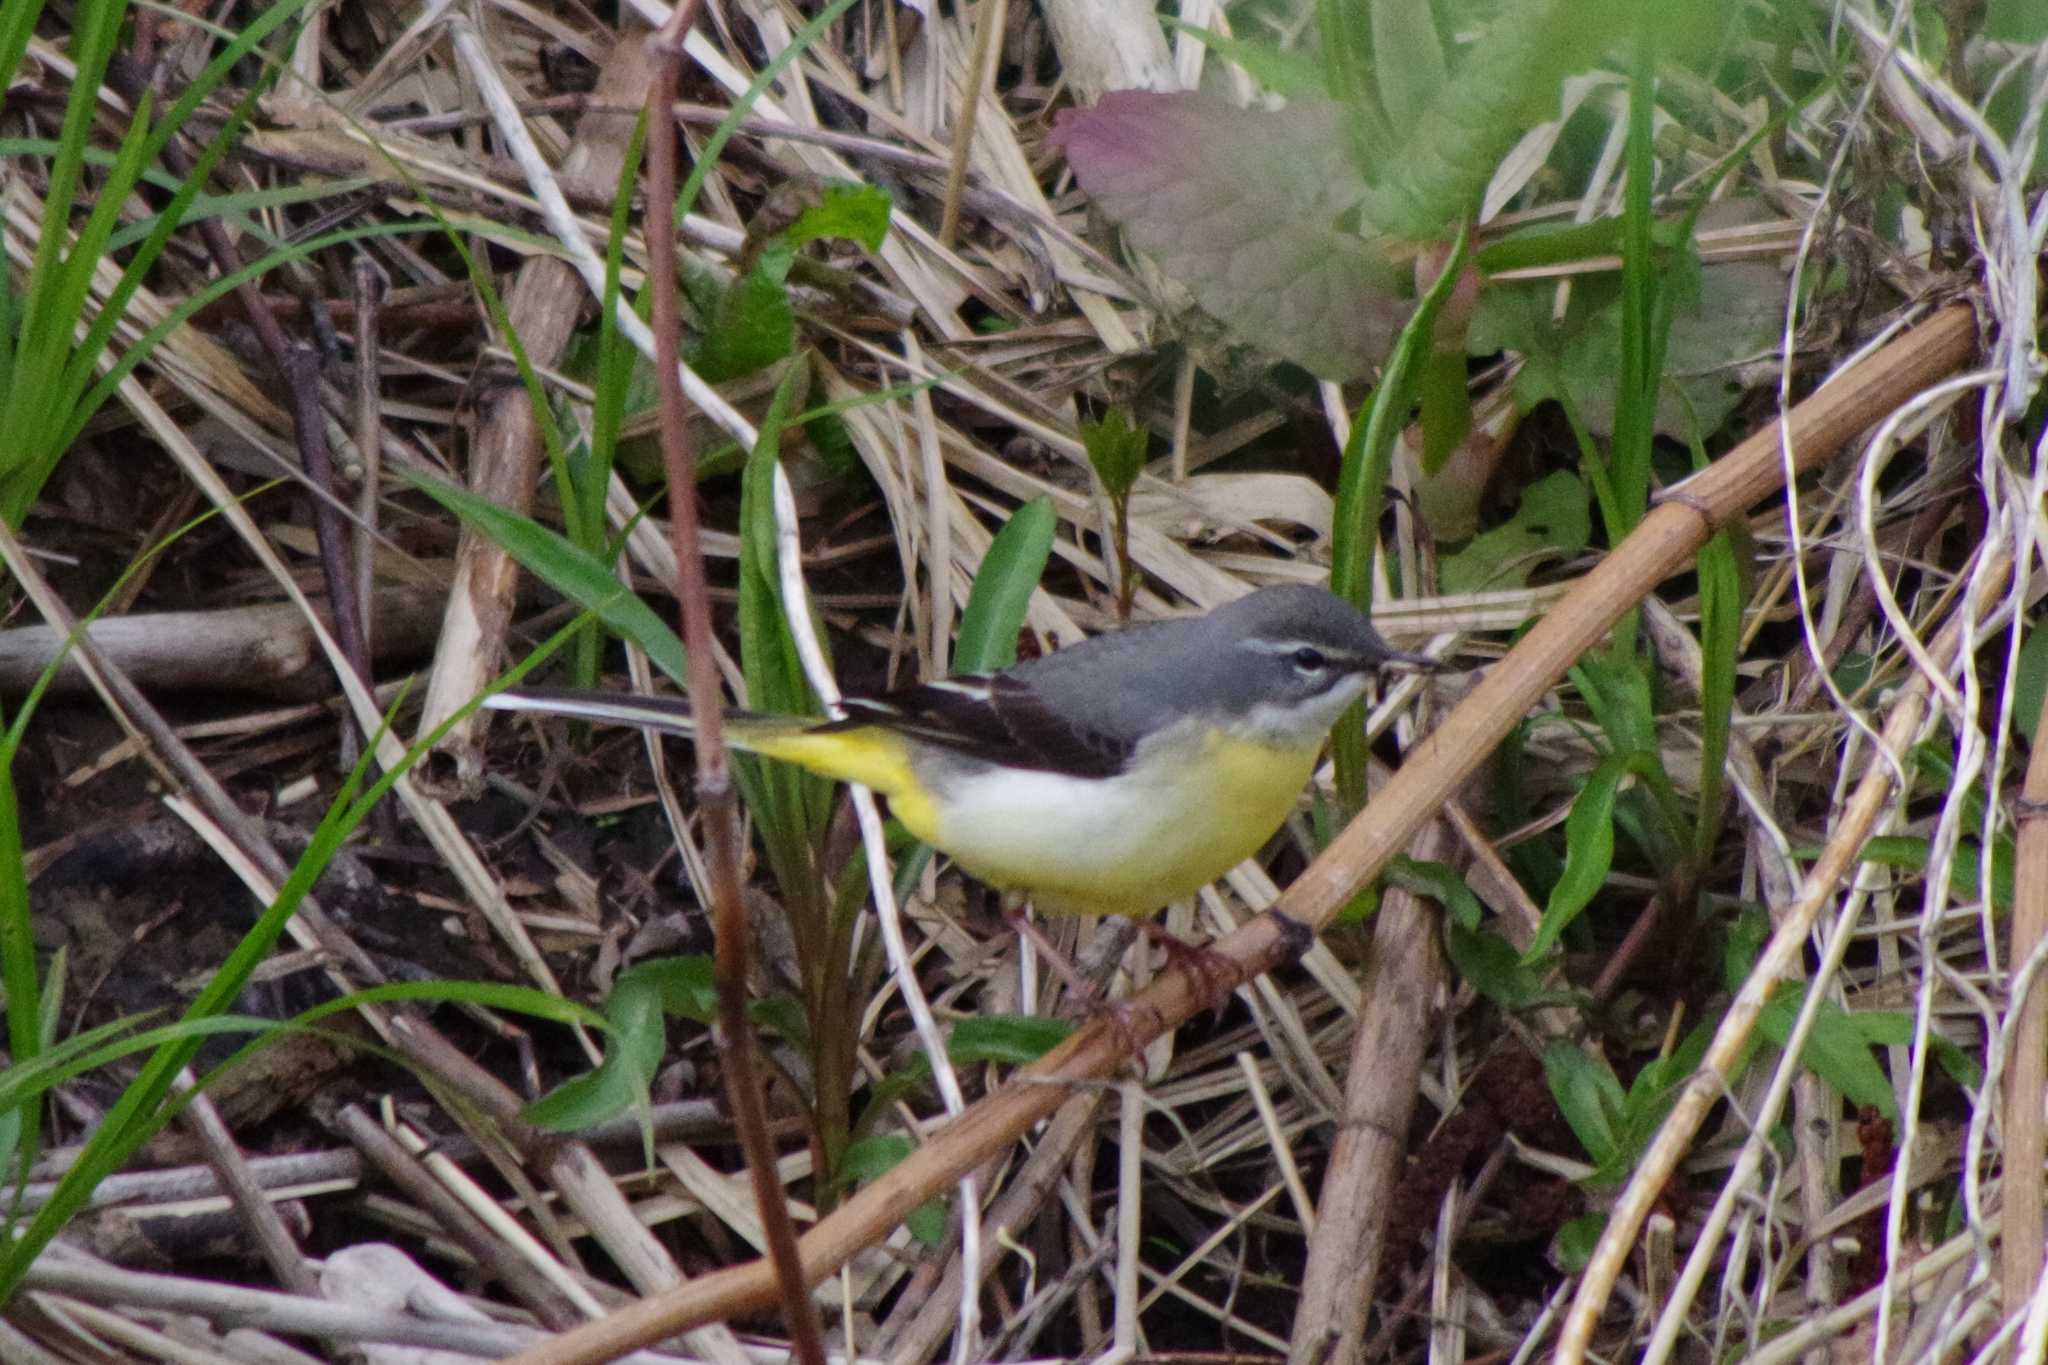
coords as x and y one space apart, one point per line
1309 660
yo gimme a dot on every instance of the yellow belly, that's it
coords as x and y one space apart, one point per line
1184 815
1192 806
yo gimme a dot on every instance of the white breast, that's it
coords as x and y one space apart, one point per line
1189 809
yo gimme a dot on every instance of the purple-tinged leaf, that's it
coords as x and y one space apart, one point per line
1252 210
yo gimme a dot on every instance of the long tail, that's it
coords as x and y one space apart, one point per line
670 715
864 754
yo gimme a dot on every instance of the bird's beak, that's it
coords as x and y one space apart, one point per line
1402 661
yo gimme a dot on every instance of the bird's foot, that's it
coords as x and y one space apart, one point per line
1215 976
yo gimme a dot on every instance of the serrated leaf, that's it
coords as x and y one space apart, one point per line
1001 595
1251 209
1510 79
1836 1050
754 324
854 213
1552 522
1116 450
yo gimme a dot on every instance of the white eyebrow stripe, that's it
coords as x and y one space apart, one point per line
1283 647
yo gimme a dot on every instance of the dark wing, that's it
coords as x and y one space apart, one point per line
999 719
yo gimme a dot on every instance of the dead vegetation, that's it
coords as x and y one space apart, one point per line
1369 1154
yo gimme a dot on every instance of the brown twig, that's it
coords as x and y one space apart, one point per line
988 20
542 308
717 801
1368 1157
454 1219
1663 544
2026 1086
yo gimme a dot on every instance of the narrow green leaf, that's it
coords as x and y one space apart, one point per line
1589 1097
577 574
1001 596
1291 72
1439 882
1589 852
2030 681
1720 642
1361 491
1006 1039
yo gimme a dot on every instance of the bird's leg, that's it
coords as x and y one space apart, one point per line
1214 975
1090 997
1019 918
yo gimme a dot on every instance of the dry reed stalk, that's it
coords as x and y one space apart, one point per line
1662 545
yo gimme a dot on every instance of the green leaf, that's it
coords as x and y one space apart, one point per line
2030 682
1894 1028
1005 1039
871 1158
1408 61
1589 852
642 1000
852 212
1116 449
1361 491
1432 177
577 574
1001 596
1573 1246
1617 691
1836 1049
1255 211
874 1157
1721 603
790 806
1439 882
1446 394
1282 71
1746 938
1589 1097
754 324
1493 966
687 987
782 1015
1551 523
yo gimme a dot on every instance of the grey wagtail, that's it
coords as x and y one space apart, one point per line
1111 777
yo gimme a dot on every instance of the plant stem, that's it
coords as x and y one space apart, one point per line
715 795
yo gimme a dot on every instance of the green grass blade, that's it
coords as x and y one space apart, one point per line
1001 596
569 569
1361 491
